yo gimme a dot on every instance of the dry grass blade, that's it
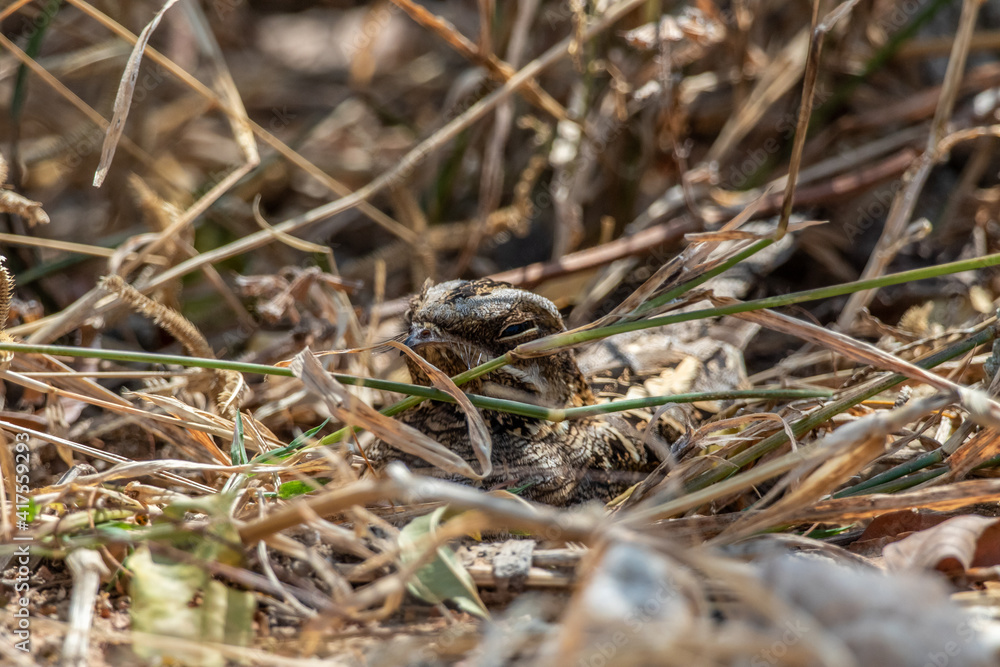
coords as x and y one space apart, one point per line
808 92
981 408
737 235
845 451
99 454
742 420
138 469
479 434
200 424
351 410
123 101
916 177
80 388
65 246
946 498
497 68
972 453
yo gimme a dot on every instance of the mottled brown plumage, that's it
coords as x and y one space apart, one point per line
458 325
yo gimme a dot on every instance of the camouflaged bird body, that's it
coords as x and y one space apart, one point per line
459 324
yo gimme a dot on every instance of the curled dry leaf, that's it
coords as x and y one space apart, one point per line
957 544
479 434
892 527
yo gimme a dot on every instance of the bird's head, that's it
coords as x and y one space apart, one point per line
460 324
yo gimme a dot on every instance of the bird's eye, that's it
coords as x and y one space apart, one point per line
516 329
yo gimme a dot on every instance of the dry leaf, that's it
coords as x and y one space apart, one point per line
957 544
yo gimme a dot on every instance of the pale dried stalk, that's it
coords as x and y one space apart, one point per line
87 568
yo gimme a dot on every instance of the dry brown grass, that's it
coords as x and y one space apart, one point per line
156 191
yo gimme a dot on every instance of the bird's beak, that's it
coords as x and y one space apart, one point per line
420 336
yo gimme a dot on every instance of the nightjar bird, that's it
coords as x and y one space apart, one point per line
459 324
